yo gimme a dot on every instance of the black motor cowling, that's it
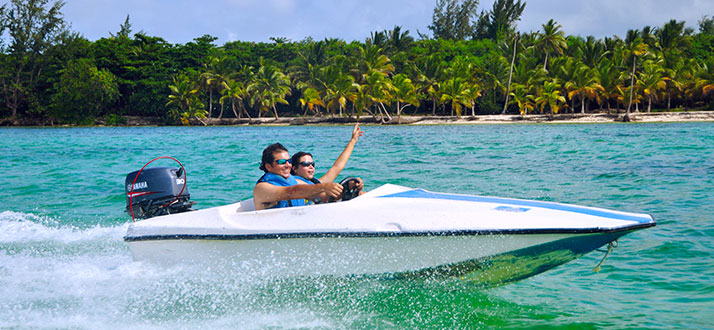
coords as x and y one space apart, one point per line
157 191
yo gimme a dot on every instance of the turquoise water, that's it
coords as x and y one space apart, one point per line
63 263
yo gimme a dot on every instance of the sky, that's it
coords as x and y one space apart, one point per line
180 21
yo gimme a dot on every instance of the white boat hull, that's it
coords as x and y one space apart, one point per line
490 241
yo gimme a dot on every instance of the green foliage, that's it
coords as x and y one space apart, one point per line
83 92
184 103
706 25
703 47
500 21
114 120
454 19
47 72
34 27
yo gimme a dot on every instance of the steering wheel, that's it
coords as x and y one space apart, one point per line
349 188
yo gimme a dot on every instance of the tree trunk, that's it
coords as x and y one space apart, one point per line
381 115
632 88
242 107
233 106
649 104
385 111
210 103
275 111
669 100
433 107
399 113
510 75
220 115
14 95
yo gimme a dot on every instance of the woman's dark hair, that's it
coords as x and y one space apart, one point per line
296 159
268 152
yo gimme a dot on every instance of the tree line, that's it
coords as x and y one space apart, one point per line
473 63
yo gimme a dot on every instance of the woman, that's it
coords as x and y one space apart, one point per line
304 164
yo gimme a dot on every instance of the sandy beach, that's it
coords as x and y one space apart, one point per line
644 117
659 117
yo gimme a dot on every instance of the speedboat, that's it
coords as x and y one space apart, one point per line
392 231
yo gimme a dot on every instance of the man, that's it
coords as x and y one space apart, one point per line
277 188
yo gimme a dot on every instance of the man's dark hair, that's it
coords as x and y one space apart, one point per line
295 160
268 157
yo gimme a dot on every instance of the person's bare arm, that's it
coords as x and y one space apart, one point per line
341 161
266 195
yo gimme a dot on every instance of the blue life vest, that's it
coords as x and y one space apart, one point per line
310 181
278 180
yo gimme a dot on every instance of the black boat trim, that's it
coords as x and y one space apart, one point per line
217 237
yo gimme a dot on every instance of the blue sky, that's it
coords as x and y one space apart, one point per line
180 21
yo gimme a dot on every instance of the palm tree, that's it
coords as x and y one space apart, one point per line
184 96
455 92
552 40
527 72
363 100
634 47
426 73
472 93
370 58
592 51
339 88
584 84
377 39
674 72
705 76
268 88
625 93
398 41
379 89
608 78
310 100
306 70
404 93
510 73
492 76
672 37
565 70
223 71
235 92
522 98
652 81
550 95
215 73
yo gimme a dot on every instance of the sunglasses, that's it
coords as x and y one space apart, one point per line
283 161
306 164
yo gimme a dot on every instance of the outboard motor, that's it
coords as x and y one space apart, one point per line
157 191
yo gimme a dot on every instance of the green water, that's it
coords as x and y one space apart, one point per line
63 263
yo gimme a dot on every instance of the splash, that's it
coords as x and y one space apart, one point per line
18 227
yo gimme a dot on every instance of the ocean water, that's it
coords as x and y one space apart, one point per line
63 263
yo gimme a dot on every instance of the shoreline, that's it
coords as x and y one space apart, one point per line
576 118
588 118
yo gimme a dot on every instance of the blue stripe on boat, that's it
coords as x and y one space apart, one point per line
421 193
